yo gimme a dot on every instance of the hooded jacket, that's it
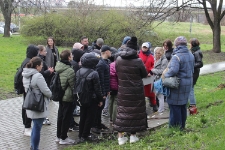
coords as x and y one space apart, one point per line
39 85
67 79
131 107
77 53
89 61
32 51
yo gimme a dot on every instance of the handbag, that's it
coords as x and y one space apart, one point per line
171 82
33 101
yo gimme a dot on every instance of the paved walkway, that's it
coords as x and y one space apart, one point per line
11 127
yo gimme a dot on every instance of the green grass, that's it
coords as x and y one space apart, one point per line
168 30
204 130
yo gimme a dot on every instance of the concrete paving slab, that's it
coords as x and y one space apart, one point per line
211 68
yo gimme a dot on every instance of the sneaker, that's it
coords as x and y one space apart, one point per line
105 113
122 140
91 137
46 122
57 140
95 130
155 108
74 128
133 139
66 141
27 131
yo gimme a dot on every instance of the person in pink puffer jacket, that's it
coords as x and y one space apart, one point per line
113 91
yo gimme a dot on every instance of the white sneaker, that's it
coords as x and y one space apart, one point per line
122 140
66 141
57 140
133 139
46 122
27 131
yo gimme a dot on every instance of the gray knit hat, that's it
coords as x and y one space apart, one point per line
180 40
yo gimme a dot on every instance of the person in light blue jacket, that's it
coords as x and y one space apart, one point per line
32 76
182 66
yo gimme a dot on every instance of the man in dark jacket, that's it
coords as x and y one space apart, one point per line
98 44
84 42
103 70
87 112
32 51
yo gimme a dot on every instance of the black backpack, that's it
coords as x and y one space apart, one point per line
56 88
18 80
81 90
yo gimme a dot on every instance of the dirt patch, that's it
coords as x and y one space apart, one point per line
6 94
216 103
210 57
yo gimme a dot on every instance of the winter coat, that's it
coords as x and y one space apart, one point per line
67 79
183 69
148 61
44 71
89 61
168 54
49 58
159 67
113 79
87 49
39 85
103 71
198 64
77 54
131 107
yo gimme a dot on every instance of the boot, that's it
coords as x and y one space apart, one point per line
155 108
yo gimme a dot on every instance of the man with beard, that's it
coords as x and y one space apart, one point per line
84 42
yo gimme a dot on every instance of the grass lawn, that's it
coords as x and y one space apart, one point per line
204 130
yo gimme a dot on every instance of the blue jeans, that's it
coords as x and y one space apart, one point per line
178 116
36 131
192 99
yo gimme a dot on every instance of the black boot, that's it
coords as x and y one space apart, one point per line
155 108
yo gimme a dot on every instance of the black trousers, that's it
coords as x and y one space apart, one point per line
98 116
87 115
72 122
63 120
26 121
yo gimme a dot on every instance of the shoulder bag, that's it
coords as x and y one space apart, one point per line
33 101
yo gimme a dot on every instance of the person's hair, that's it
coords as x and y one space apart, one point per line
52 40
83 37
168 43
65 55
41 48
160 49
194 42
34 62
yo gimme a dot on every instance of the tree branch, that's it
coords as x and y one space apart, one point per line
222 15
207 14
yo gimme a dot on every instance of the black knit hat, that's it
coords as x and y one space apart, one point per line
133 43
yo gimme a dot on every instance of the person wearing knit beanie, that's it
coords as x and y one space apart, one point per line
180 40
133 43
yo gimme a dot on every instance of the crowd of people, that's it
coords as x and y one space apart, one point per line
115 86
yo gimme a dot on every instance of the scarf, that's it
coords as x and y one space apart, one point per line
66 62
147 52
194 49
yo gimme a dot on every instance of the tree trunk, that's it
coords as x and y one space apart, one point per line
7 18
216 37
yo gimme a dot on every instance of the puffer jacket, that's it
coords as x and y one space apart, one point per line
67 79
183 68
159 67
131 107
198 64
113 77
39 85
89 61
103 71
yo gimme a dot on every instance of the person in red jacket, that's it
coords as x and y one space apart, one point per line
148 60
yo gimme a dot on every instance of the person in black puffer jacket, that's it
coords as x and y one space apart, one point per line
195 49
103 70
32 51
87 113
168 47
